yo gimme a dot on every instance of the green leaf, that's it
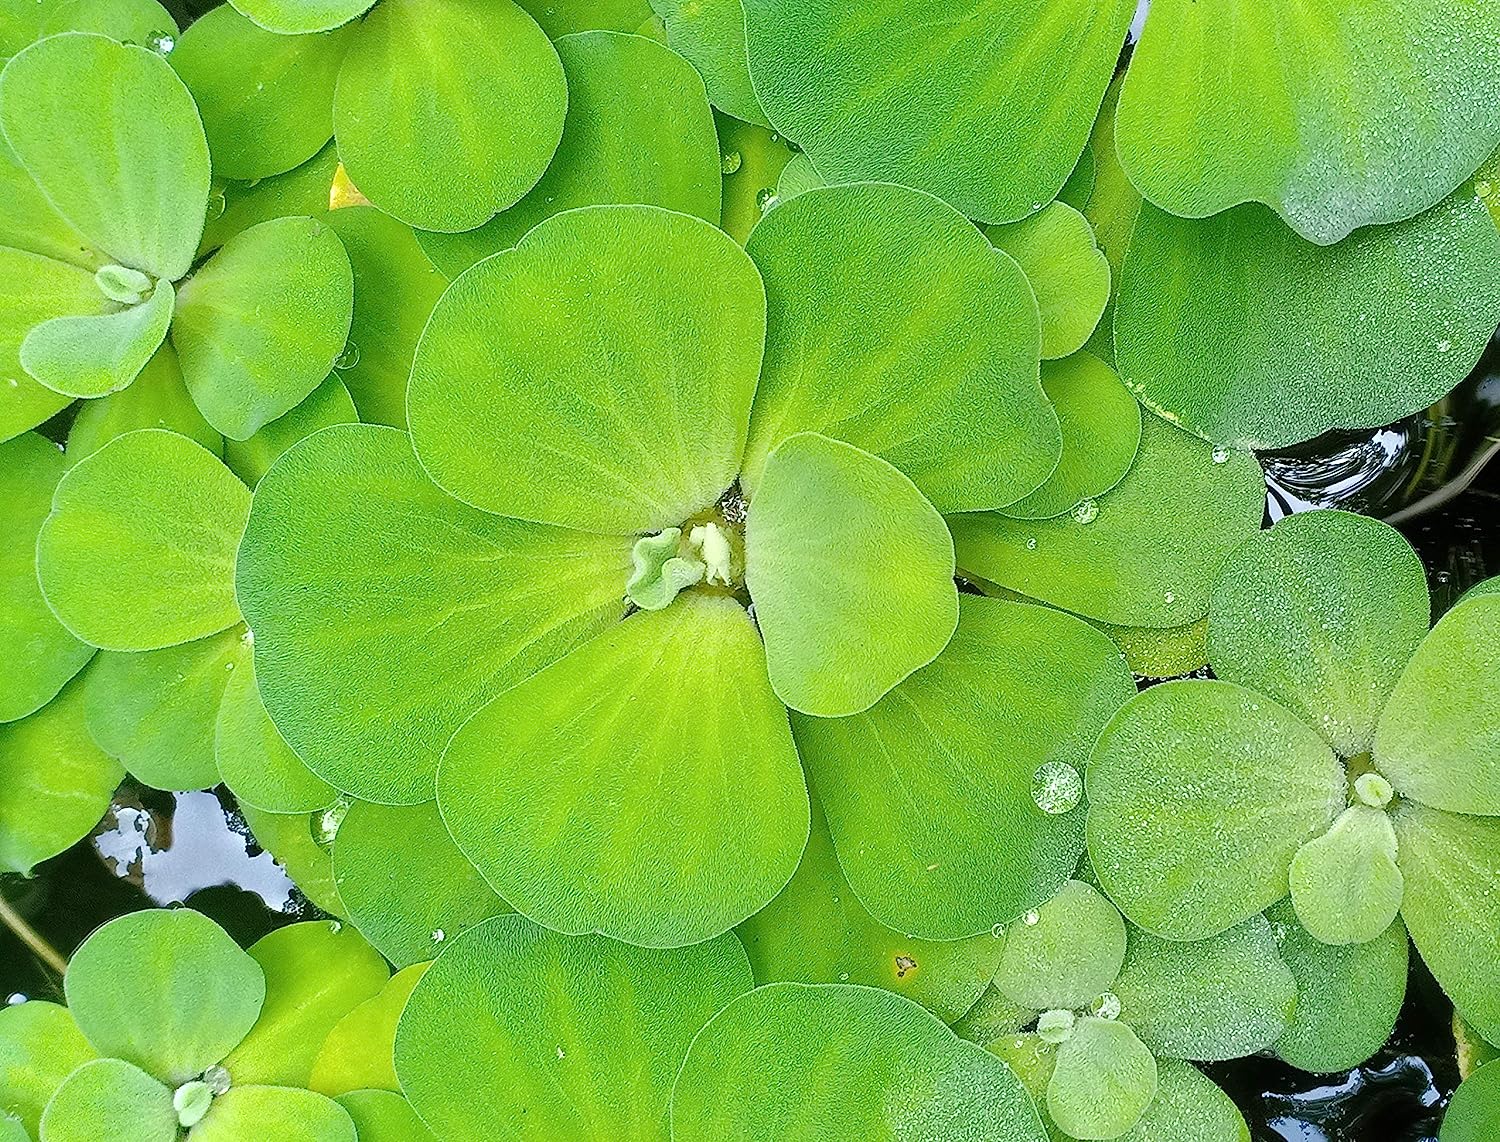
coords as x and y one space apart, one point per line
253 758
1207 1000
1337 116
1345 885
564 17
1200 793
911 290
597 376
248 1113
1439 738
851 570
1068 956
138 552
758 157
987 108
291 841
711 35
574 789
155 399
346 531
29 222
638 129
484 127
384 1116
1348 997
40 1046
407 887
1103 1080
1451 863
1475 1108
167 991
395 289
1188 1108
300 17
55 783
358 1052
112 138
327 404
923 789
305 190
157 710
34 289
30 468
1101 433
266 99
1068 273
1346 336
1162 652
588 1033
1322 612
1151 552
261 324
130 21
98 354
761 1071
316 973
817 931
797 176
137 1107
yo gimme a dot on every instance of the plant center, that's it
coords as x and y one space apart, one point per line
707 553
1367 785
123 284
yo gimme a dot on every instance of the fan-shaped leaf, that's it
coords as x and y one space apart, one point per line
284 1113
97 354
113 1091
1068 956
1068 272
40 1045
1103 1080
1345 885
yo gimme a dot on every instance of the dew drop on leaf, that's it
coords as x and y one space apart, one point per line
1030 919
348 358
729 162
161 42
1221 455
1107 1006
1086 512
1056 787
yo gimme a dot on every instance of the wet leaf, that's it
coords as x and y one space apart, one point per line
40 1046
1345 885
299 17
1188 1106
1103 1080
1064 954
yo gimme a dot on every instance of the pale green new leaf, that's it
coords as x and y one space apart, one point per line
55 783
762 1071
1345 885
447 111
1207 1000
1067 957
588 1033
851 571
138 1107
1451 864
1348 997
638 129
266 99
112 138
1103 1080
1200 793
260 325
98 354
1439 738
1337 115
1347 336
157 710
597 376
1322 613
316 973
1068 272
911 337
251 1113
167 991
30 468
40 1046
406 886
930 794
138 552
366 687
574 789
987 107
817 931
1150 553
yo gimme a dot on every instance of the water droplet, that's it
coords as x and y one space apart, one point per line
325 825
1221 455
843 977
1056 787
15 999
561 1054
730 161
248 638
1484 188
335 926
216 206
229 665
1107 1006
765 198
438 935
1030 919
217 1079
1031 544
998 931
161 42
1086 512
1444 345
348 358
1169 598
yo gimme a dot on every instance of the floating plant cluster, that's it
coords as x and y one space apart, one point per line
724 542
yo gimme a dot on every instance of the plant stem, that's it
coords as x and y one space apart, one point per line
31 937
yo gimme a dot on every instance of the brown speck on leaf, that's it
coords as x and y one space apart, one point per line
904 964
